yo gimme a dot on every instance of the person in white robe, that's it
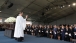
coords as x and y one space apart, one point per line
19 27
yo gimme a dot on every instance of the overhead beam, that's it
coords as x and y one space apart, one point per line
24 7
64 16
41 9
57 12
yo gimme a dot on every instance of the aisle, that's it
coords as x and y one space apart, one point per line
29 39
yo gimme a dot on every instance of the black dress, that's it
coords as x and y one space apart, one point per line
48 32
51 31
58 32
28 30
42 32
71 33
45 34
32 30
38 32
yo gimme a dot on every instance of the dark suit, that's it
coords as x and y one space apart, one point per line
62 34
66 34
74 30
55 33
70 33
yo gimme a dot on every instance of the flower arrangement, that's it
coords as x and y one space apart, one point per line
10 19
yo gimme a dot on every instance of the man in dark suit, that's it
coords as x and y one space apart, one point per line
62 32
70 33
55 32
67 33
74 31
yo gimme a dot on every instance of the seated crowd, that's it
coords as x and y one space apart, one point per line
61 32
2 27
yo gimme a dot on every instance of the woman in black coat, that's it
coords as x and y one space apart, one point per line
67 33
51 32
58 33
70 33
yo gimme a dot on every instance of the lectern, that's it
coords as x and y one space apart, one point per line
9 30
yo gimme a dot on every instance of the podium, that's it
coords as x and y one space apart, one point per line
9 31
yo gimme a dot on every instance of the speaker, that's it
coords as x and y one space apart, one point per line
10 5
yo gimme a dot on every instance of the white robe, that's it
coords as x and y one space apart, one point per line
19 27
